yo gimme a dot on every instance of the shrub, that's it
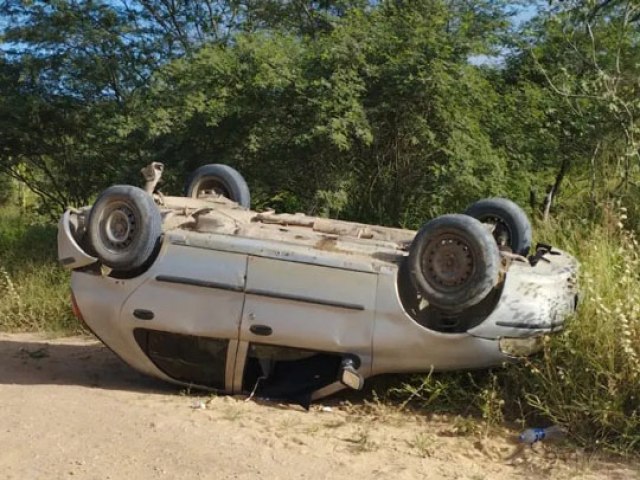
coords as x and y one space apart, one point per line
6 189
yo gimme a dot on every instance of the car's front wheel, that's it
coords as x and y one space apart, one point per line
454 262
124 227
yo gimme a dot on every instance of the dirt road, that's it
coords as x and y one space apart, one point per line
70 409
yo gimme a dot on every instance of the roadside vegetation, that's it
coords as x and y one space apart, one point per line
382 112
587 379
34 290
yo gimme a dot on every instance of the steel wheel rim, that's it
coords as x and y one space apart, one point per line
448 262
119 227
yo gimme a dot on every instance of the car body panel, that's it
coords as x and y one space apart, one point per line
310 307
270 248
100 299
193 292
402 345
534 300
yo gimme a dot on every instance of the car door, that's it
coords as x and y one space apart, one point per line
186 316
309 308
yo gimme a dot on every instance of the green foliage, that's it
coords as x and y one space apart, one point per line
6 189
378 101
583 59
379 105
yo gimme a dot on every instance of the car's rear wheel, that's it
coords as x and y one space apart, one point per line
124 227
510 224
454 262
219 179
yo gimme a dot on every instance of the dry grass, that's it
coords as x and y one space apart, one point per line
424 444
587 378
34 289
360 441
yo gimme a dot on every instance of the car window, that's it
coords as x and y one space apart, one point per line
187 358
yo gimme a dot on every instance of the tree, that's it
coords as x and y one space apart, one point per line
382 114
75 76
584 61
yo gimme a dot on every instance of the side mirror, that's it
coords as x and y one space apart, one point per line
349 376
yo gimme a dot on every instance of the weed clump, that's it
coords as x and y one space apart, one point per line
587 377
34 289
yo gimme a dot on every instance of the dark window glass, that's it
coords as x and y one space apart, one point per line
187 358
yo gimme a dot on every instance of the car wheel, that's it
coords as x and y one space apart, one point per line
454 262
124 227
221 180
511 226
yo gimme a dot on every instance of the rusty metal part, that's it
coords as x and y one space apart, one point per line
297 219
448 262
152 174
499 229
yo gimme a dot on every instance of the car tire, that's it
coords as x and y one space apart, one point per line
454 262
124 228
512 226
223 180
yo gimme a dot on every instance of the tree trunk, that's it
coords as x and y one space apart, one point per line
553 190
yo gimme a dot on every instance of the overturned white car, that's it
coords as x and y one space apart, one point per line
201 291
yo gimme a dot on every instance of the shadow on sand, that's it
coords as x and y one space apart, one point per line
28 360
64 362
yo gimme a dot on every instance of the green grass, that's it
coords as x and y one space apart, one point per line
34 289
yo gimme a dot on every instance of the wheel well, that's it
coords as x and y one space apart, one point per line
439 319
123 275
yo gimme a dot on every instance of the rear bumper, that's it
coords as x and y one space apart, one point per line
70 254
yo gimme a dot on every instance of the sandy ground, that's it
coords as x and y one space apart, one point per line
70 409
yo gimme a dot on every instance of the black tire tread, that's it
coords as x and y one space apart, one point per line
145 243
510 213
233 181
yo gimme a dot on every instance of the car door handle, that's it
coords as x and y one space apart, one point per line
143 314
262 330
